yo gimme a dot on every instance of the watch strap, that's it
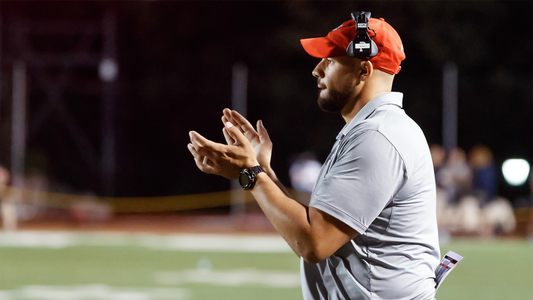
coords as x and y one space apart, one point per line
256 170
251 173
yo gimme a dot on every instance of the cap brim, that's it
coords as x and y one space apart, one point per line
322 47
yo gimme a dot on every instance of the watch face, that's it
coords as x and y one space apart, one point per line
244 179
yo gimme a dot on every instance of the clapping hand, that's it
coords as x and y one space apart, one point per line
224 160
259 139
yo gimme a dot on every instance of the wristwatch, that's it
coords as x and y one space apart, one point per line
247 177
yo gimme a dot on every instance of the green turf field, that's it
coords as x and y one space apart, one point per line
490 270
66 266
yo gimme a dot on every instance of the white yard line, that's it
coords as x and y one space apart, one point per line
179 242
238 277
92 292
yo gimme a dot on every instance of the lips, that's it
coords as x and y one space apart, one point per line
321 88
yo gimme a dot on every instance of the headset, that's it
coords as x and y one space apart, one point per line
362 46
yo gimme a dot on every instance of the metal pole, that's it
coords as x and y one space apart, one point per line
449 106
240 88
108 71
18 145
238 103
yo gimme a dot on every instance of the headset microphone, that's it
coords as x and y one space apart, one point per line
362 46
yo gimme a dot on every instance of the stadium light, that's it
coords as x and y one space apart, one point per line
515 171
108 69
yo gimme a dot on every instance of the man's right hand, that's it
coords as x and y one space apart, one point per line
259 138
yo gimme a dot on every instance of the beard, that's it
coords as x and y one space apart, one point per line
335 100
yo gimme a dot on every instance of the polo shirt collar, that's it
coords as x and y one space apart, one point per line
394 98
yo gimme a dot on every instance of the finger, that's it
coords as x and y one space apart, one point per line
197 156
245 126
235 134
202 162
204 147
241 121
263 133
228 118
226 111
194 152
199 141
229 139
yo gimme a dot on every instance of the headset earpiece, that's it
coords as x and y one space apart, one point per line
362 46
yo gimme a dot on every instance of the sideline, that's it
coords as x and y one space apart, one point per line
137 204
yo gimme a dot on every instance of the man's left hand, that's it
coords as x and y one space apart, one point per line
220 159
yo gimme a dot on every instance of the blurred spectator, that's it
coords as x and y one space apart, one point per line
524 212
304 172
496 215
455 177
467 200
472 205
526 201
7 208
4 180
484 185
467 216
438 155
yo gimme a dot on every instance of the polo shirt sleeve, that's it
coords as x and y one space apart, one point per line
361 179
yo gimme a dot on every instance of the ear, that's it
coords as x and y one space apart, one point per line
367 69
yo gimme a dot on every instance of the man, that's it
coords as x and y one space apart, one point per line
370 230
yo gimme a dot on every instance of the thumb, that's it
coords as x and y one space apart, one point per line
263 133
235 133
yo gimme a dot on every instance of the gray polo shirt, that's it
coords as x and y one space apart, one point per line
378 180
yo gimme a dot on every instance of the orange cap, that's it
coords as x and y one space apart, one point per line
389 57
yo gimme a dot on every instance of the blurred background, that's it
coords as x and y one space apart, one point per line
97 99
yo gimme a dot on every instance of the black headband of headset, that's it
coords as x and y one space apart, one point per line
362 46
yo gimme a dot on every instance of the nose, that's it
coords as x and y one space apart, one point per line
318 72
